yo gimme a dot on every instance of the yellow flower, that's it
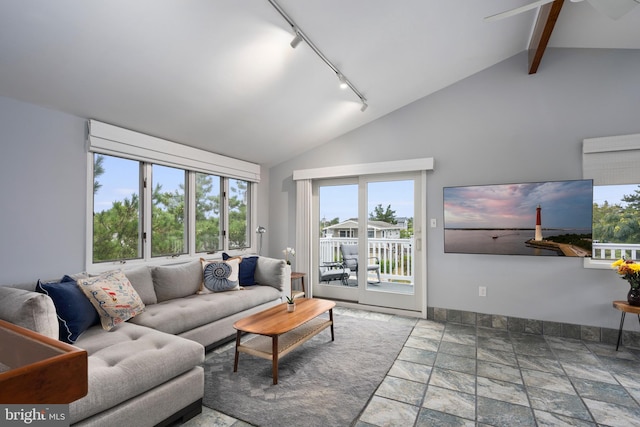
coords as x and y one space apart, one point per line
617 263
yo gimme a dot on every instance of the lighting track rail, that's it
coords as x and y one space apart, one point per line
299 36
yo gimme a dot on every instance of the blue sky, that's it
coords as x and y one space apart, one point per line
121 180
342 200
565 204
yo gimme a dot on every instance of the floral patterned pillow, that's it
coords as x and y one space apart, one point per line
113 297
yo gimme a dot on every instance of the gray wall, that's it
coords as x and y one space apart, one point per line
498 126
43 191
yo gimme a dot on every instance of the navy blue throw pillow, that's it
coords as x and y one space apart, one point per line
75 312
247 269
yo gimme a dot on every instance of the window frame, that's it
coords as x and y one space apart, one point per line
109 140
610 160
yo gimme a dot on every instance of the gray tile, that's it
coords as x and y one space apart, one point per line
583 357
410 371
595 373
547 419
502 390
547 381
458 349
450 402
613 415
497 356
406 391
453 380
417 355
456 363
544 364
430 418
504 414
495 343
387 412
611 393
499 372
422 343
559 403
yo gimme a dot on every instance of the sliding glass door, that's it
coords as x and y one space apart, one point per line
368 244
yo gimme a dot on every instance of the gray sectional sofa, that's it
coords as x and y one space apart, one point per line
147 371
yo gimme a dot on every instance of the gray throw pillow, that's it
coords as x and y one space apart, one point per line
142 282
177 281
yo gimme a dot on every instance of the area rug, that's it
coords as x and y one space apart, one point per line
321 383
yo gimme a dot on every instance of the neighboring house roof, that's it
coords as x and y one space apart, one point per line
352 223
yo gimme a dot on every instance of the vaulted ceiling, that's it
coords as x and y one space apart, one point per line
221 74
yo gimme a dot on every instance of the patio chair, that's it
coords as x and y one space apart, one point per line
330 271
350 260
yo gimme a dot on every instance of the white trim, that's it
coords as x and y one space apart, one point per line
341 171
115 141
303 232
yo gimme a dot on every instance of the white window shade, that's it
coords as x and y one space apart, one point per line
115 141
612 160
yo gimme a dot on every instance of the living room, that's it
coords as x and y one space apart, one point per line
497 125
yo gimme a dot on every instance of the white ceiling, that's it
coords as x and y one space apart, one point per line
220 74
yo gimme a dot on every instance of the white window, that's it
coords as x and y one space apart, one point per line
150 206
612 163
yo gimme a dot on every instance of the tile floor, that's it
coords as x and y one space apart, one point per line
450 374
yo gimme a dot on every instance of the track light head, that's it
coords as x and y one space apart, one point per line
364 106
343 81
296 40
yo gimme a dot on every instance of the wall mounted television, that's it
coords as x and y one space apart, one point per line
552 218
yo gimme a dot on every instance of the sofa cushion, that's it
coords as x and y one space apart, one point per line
128 361
113 297
30 310
177 281
75 313
220 276
184 314
270 271
142 282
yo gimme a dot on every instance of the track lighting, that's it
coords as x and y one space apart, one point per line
296 40
343 82
301 36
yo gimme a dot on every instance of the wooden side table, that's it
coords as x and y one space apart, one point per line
295 275
625 308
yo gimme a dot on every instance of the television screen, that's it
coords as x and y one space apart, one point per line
551 218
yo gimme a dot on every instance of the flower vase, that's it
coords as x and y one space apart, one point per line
633 297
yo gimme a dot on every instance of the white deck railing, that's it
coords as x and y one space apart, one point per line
614 251
396 255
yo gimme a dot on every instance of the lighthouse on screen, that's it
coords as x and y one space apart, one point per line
538 225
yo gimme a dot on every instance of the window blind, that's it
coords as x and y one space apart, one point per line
115 141
612 160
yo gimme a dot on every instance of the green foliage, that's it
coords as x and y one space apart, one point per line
117 230
618 223
381 214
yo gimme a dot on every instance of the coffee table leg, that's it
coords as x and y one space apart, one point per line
235 362
274 357
331 318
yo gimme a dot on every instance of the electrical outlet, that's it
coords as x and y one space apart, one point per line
433 223
482 291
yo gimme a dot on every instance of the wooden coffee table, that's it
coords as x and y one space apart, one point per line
279 331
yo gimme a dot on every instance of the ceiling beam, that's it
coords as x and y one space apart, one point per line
545 23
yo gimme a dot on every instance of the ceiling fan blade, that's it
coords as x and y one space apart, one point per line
614 9
518 10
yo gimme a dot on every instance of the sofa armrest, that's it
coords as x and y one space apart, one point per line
31 310
275 273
